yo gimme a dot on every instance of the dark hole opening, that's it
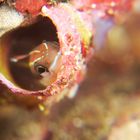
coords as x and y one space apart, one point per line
24 40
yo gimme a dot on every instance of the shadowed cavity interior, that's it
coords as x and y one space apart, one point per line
22 41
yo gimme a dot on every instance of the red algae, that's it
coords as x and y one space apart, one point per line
30 6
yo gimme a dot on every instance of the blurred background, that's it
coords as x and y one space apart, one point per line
107 105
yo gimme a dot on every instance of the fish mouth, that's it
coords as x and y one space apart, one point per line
23 40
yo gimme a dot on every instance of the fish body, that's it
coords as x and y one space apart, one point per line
43 61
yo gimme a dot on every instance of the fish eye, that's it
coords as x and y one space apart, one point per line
41 69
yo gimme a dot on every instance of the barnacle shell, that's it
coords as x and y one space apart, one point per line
62 24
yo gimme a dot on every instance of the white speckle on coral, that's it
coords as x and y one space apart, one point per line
9 19
44 10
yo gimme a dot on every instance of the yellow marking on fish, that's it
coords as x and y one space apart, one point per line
34 51
33 62
46 46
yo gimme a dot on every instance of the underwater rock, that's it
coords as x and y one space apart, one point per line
61 24
26 62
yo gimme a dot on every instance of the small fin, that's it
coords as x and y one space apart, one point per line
19 58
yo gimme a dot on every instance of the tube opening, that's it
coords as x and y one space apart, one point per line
24 42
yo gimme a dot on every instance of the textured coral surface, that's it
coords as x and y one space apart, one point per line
107 104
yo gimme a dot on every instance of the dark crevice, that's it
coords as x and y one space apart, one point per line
24 40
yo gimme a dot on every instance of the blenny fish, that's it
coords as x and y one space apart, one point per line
44 61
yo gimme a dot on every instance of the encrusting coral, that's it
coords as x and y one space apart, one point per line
96 38
74 44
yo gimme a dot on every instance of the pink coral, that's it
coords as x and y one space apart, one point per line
89 4
75 30
74 37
